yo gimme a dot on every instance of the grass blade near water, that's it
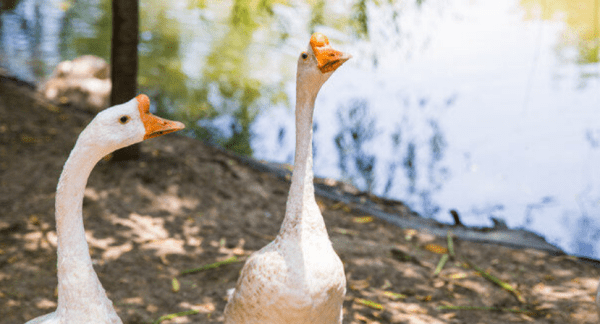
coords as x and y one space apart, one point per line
441 264
215 265
368 303
174 315
497 281
484 274
450 244
479 308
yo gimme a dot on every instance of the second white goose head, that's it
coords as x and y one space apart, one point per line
125 124
316 64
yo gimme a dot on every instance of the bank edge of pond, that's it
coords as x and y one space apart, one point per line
363 203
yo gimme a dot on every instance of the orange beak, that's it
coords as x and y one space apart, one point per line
154 125
328 59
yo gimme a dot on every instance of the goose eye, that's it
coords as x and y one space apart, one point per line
304 56
124 119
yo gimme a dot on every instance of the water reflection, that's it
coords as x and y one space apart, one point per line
417 145
160 68
593 137
357 130
86 29
537 207
225 86
229 70
8 5
586 236
396 139
21 33
583 34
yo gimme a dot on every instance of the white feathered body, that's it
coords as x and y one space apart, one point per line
289 283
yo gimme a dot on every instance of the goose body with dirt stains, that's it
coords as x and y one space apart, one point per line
297 278
81 297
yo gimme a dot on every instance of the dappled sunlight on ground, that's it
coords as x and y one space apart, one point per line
45 303
144 228
169 201
165 246
568 290
206 307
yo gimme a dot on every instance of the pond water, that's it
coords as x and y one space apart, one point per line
489 108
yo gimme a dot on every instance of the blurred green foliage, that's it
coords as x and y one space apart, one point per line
582 18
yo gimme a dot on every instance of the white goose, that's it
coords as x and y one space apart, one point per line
297 278
81 297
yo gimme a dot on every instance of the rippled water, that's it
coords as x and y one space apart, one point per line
492 109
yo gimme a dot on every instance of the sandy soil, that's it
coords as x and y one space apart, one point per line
185 205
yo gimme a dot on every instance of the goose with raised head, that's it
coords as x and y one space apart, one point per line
81 297
298 277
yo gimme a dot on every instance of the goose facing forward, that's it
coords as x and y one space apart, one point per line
297 278
81 297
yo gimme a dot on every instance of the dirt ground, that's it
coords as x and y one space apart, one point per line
185 205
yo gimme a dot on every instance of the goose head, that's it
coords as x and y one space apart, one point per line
125 124
317 63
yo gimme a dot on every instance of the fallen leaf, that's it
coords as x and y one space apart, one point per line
344 231
435 248
363 219
27 139
393 296
460 275
424 298
175 285
368 303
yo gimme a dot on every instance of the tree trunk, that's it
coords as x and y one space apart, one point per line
124 62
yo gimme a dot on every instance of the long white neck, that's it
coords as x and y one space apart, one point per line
79 289
302 212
